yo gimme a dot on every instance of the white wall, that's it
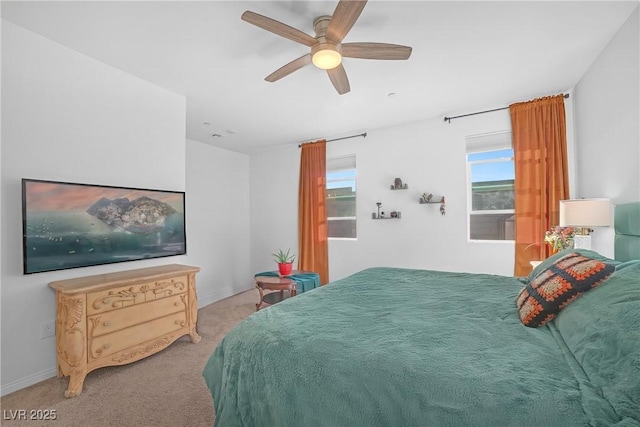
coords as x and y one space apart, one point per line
430 157
274 205
67 117
607 107
218 220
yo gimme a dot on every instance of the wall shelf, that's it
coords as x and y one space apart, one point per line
381 215
404 187
428 200
376 216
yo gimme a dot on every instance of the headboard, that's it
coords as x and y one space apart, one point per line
627 228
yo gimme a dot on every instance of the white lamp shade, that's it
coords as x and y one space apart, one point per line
585 213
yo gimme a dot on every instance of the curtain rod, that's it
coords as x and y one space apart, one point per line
364 135
448 119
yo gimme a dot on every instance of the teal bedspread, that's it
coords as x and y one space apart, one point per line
401 347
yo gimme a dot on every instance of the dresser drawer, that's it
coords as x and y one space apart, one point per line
111 321
126 338
125 296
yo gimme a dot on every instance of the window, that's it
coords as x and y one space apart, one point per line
491 176
341 196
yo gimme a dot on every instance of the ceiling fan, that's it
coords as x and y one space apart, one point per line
327 49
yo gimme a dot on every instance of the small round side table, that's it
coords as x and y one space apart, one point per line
274 284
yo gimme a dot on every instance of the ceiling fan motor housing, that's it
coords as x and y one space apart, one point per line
320 25
325 54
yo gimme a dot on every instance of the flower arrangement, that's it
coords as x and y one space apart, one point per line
559 238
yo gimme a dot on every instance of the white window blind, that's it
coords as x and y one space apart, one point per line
335 164
488 142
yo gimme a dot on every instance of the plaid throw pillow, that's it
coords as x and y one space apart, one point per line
557 286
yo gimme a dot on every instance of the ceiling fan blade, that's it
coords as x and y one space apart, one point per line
278 28
375 51
346 14
289 68
338 77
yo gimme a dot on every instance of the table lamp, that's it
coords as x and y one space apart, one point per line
584 214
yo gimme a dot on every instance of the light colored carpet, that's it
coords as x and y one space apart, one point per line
166 389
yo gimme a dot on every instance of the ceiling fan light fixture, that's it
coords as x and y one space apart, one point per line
326 55
326 46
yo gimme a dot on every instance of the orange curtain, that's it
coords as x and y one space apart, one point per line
540 154
313 248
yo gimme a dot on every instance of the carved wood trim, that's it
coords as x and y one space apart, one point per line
71 339
146 292
193 309
143 350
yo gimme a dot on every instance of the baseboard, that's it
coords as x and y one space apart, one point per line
27 381
205 300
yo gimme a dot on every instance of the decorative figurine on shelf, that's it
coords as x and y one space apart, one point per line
442 208
394 214
397 183
379 204
427 197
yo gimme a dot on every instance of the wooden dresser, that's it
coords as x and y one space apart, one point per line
118 318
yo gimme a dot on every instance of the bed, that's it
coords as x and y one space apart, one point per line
402 347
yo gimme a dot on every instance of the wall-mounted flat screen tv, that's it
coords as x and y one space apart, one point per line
68 225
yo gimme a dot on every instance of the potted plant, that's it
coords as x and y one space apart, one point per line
285 261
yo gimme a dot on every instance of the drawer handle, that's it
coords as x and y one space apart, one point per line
107 323
176 303
107 346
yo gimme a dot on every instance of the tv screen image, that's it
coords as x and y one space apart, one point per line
68 225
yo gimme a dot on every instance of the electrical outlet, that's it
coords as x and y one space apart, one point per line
48 329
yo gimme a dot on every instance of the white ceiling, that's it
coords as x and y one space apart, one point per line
466 56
